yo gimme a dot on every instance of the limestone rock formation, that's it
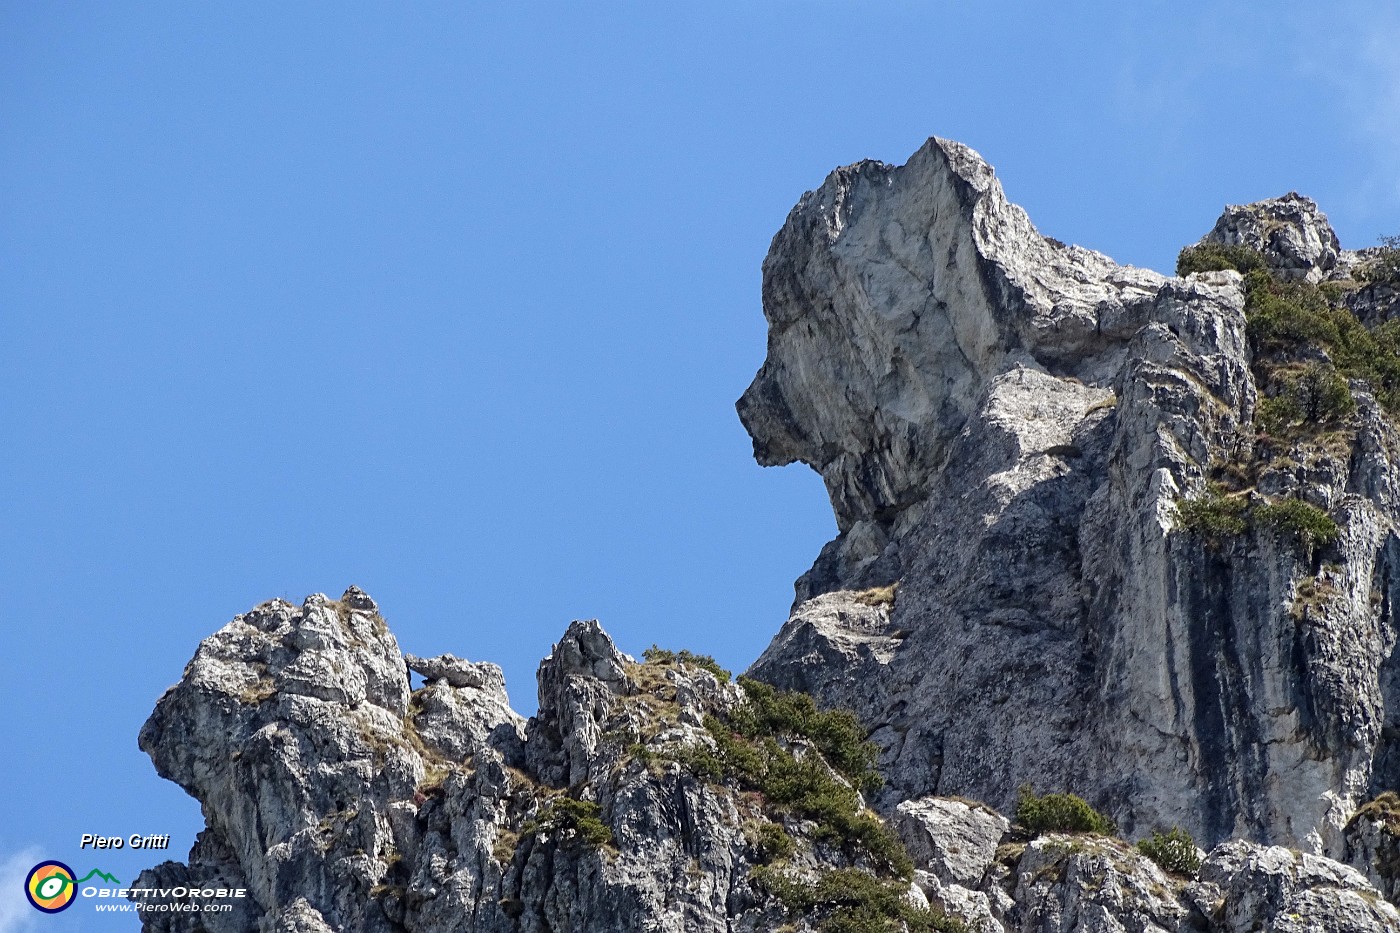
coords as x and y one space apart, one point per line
341 800
1006 427
1290 232
1101 530
332 807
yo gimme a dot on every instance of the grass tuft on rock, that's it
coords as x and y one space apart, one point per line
663 657
1215 514
1309 524
878 595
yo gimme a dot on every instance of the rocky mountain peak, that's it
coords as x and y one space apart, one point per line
1116 556
1290 232
1021 435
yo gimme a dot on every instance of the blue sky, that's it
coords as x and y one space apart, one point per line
453 301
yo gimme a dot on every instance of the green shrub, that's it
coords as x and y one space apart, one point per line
1215 257
1322 394
1215 514
1285 318
1315 397
770 841
1175 851
572 822
838 734
1277 415
854 901
1284 315
1311 525
804 787
1059 813
747 751
655 655
1386 266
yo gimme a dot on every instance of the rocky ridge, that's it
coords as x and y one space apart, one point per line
342 800
1067 558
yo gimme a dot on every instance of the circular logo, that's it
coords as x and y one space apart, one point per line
50 886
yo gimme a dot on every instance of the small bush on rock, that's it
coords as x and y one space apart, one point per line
1321 394
1311 525
838 734
770 841
1386 266
655 655
1291 319
1175 851
1215 514
1217 257
855 902
1059 813
573 821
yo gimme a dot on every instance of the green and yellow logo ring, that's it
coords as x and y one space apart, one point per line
50 886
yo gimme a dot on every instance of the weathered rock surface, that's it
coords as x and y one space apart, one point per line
955 840
1245 887
1005 426
1290 231
338 812
343 801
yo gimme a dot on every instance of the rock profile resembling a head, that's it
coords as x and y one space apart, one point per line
1008 427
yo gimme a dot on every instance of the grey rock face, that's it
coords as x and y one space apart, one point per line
344 802
1292 234
362 807
956 841
1091 884
1005 426
1373 844
1087 884
1245 887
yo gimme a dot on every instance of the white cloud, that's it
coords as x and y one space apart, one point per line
16 916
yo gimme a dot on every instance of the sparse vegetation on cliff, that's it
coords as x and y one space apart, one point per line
663 657
855 902
1385 267
1174 851
766 746
1217 257
1059 813
1290 321
1215 514
572 822
878 595
1308 523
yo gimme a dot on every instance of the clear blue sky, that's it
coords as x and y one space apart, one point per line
454 304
